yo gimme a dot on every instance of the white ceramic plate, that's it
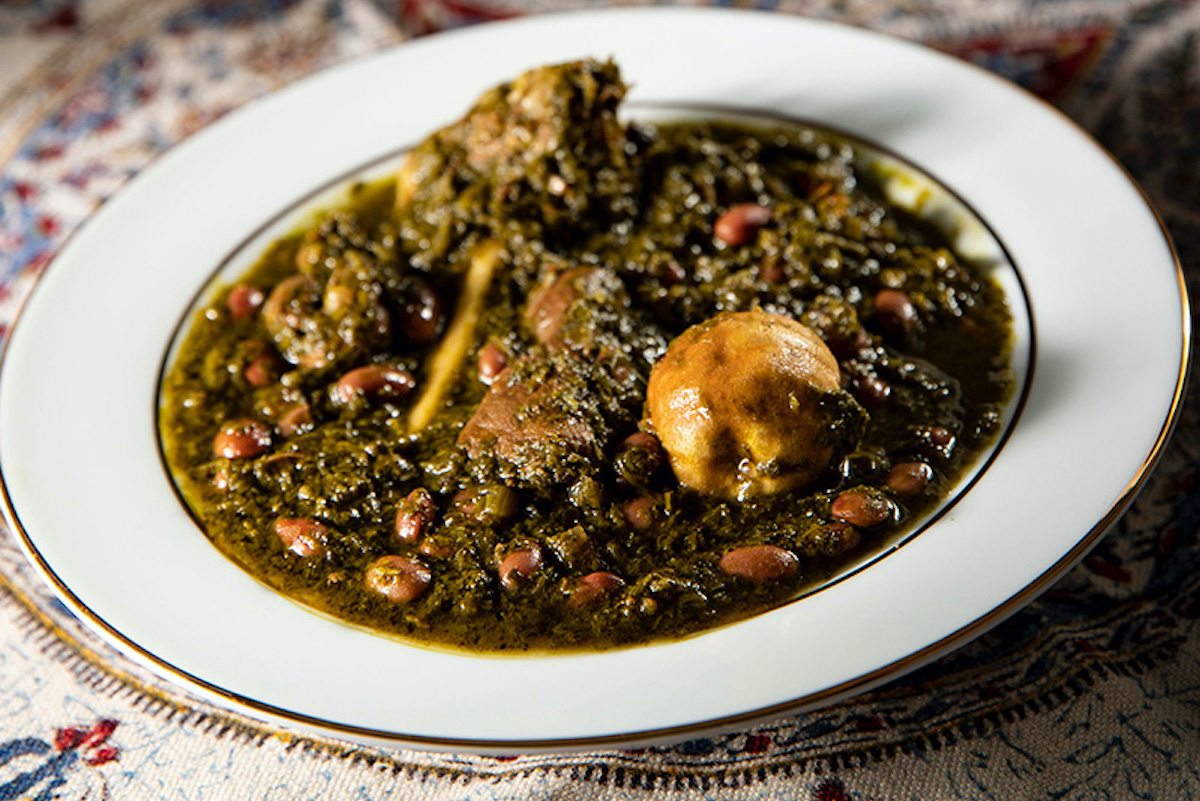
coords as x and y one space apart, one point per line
86 492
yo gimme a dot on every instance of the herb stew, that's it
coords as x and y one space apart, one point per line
566 382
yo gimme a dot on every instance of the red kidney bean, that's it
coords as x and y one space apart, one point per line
519 565
896 310
861 510
848 344
941 436
421 315
302 536
760 563
623 372
242 439
872 391
244 302
296 420
375 381
909 479
492 360
594 587
837 538
639 513
740 224
670 273
772 272
398 579
262 370
414 515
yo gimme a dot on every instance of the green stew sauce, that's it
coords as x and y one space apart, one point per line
528 505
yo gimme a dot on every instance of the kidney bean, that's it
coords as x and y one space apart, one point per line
302 536
398 579
492 360
872 391
375 381
670 273
941 436
837 538
421 315
639 513
594 587
772 271
740 224
519 565
262 370
760 563
845 345
896 311
244 302
623 372
909 479
242 439
296 420
414 515
861 510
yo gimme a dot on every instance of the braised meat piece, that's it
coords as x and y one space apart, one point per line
545 147
540 424
557 319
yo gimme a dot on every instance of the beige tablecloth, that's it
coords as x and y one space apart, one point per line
1092 692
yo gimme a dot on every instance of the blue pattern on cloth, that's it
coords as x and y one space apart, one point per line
1089 692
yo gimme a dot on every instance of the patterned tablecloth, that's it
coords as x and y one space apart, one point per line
1092 692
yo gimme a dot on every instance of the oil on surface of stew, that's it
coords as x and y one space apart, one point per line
569 382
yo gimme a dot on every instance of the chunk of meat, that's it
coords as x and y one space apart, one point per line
750 404
546 146
549 313
546 110
537 425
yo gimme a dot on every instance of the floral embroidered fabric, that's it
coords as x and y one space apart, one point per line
1089 692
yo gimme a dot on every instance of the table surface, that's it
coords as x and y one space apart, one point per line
1093 691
